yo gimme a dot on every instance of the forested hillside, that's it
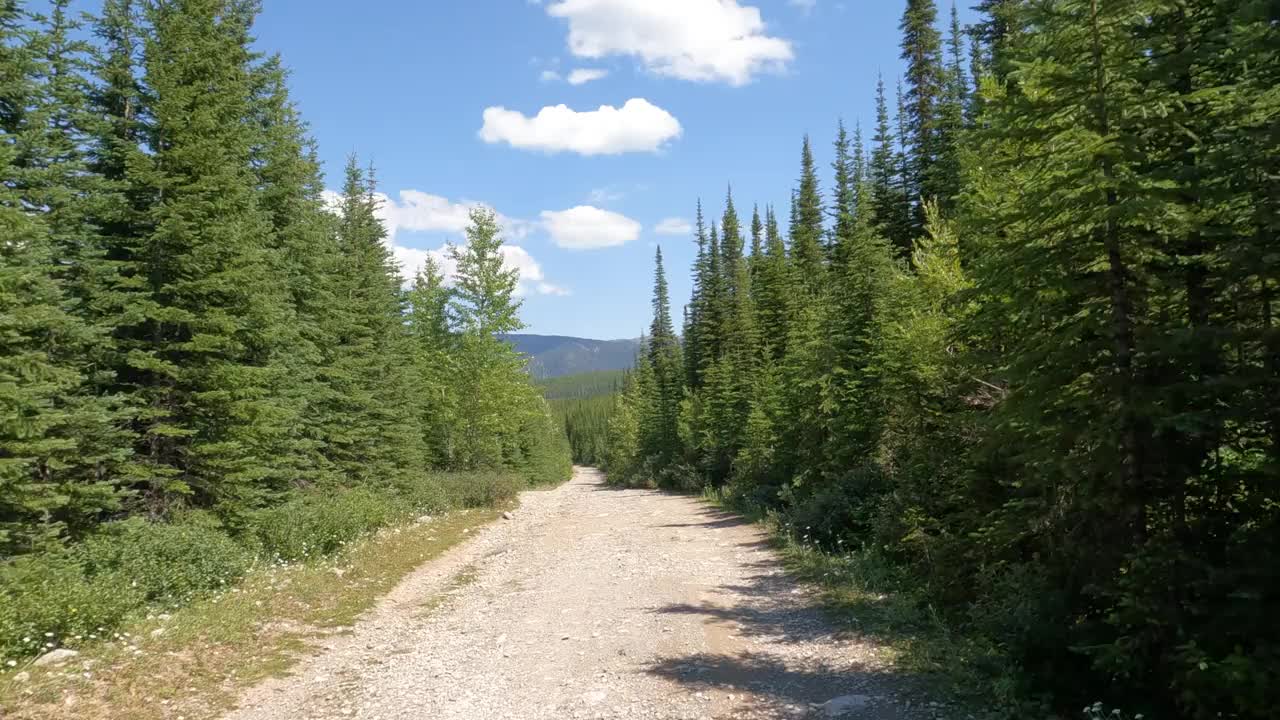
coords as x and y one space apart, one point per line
201 363
552 356
1020 345
582 404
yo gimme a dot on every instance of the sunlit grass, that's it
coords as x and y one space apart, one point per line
194 662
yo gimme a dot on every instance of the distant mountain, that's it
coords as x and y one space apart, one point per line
556 355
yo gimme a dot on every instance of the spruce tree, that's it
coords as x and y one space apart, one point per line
770 290
926 85
496 397
951 120
807 255
370 429
63 442
695 312
844 194
435 358
200 340
660 437
887 202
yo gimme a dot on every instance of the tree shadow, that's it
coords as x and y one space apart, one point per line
779 689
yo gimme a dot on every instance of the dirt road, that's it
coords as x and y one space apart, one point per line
591 602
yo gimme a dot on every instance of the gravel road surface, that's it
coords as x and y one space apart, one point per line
592 602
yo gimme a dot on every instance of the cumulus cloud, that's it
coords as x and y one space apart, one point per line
806 6
638 126
587 228
582 76
532 279
673 226
699 40
416 211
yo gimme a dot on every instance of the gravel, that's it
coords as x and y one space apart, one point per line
591 602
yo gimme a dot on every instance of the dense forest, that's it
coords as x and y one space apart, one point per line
583 403
1022 345
196 345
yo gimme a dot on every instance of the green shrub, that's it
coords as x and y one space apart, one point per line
483 488
166 562
46 600
315 525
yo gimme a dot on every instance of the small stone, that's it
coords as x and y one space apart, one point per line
157 632
508 516
52 657
22 677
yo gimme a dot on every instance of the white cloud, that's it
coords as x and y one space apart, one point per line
582 76
416 211
514 257
806 6
673 226
638 126
699 40
586 228
549 76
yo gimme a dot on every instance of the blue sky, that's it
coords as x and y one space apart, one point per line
447 99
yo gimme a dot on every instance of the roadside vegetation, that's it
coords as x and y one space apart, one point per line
1014 366
209 367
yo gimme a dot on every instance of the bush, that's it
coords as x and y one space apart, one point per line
46 600
166 562
479 488
315 525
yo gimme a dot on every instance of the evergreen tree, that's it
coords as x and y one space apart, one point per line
807 256
659 428
951 119
435 358
370 432
770 290
63 442
695 312
303 253
844 195
201 346
887 202
926 84
496 399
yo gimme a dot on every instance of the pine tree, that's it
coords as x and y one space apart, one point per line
370 430
695 312
201 346
951 119
926 85
807 256
770 290
303 253
886 200
63 443
757 243
496 398
844 196
660 437
435 348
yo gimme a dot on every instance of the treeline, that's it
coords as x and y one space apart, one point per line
186 324
582 403
1024 346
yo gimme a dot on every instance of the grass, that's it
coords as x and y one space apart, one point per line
193 663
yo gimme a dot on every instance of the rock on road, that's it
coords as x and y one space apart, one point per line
593 602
